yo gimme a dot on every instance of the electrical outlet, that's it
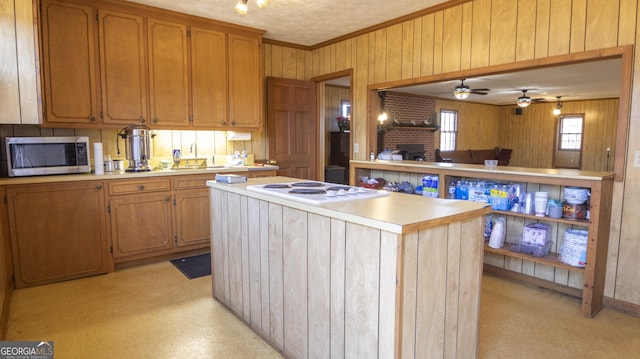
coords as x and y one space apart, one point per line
636 159
356 147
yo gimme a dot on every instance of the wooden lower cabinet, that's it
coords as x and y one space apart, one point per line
192 216
58 231
141 224
159 216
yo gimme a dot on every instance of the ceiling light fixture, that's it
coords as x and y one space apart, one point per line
241 7
558 109
524 100
462 91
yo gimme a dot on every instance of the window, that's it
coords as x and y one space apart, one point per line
448 130
570 132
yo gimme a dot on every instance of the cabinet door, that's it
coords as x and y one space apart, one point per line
69 63
19 88
141 224
58 232
168 74
208 78
192 217
245 82
123 68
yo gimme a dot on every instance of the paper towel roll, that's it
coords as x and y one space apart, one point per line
97 158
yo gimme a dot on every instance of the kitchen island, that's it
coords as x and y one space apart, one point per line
393 276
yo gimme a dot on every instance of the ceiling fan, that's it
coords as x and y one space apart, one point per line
463 91
524 100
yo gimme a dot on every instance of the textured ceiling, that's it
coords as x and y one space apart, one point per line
301 22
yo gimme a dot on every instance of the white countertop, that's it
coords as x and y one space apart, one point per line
129 175
397 213
508 170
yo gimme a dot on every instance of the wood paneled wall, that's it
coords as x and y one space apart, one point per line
481 33
532 134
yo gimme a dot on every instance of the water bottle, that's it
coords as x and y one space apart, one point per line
452 190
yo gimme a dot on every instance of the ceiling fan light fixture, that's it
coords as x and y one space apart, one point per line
524 100
241 7
558 110
462 91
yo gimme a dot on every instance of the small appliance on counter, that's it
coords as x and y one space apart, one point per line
137 147
33 156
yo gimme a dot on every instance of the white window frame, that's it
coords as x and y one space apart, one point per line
570 137
448 130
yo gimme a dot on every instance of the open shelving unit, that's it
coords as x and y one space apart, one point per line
505 262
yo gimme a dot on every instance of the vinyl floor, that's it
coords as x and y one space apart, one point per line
154 311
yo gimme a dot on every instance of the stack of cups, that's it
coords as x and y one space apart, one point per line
497 235
540 203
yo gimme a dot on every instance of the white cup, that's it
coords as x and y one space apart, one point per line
540 203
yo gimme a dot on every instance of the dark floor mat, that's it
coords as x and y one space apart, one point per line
194 267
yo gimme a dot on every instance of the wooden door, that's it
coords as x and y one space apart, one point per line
123 68
168 74
69 63
208 77
292 127
141 224
192 217
58 231
245 82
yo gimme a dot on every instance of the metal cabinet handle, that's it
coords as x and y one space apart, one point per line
142 120
92 118
141 187
167 198
98 187
155 120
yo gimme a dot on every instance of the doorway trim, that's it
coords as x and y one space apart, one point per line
320 85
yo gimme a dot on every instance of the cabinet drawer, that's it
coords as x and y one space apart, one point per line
189 182
142 186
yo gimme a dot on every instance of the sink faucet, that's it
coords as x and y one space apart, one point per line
194 146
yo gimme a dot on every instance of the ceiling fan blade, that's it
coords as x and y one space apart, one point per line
481 90
539 100
479 93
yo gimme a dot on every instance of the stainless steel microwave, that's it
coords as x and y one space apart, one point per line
34 156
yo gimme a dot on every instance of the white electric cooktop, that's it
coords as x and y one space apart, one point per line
313 192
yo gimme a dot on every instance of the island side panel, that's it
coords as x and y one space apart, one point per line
218 199
255 264
294 267
441 290
234 253
338 270
389 295
263 241
470 276
319 288
362 290
276 285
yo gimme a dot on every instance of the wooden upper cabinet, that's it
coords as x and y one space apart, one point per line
208 77
245 82
69 63
168 74
123 68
